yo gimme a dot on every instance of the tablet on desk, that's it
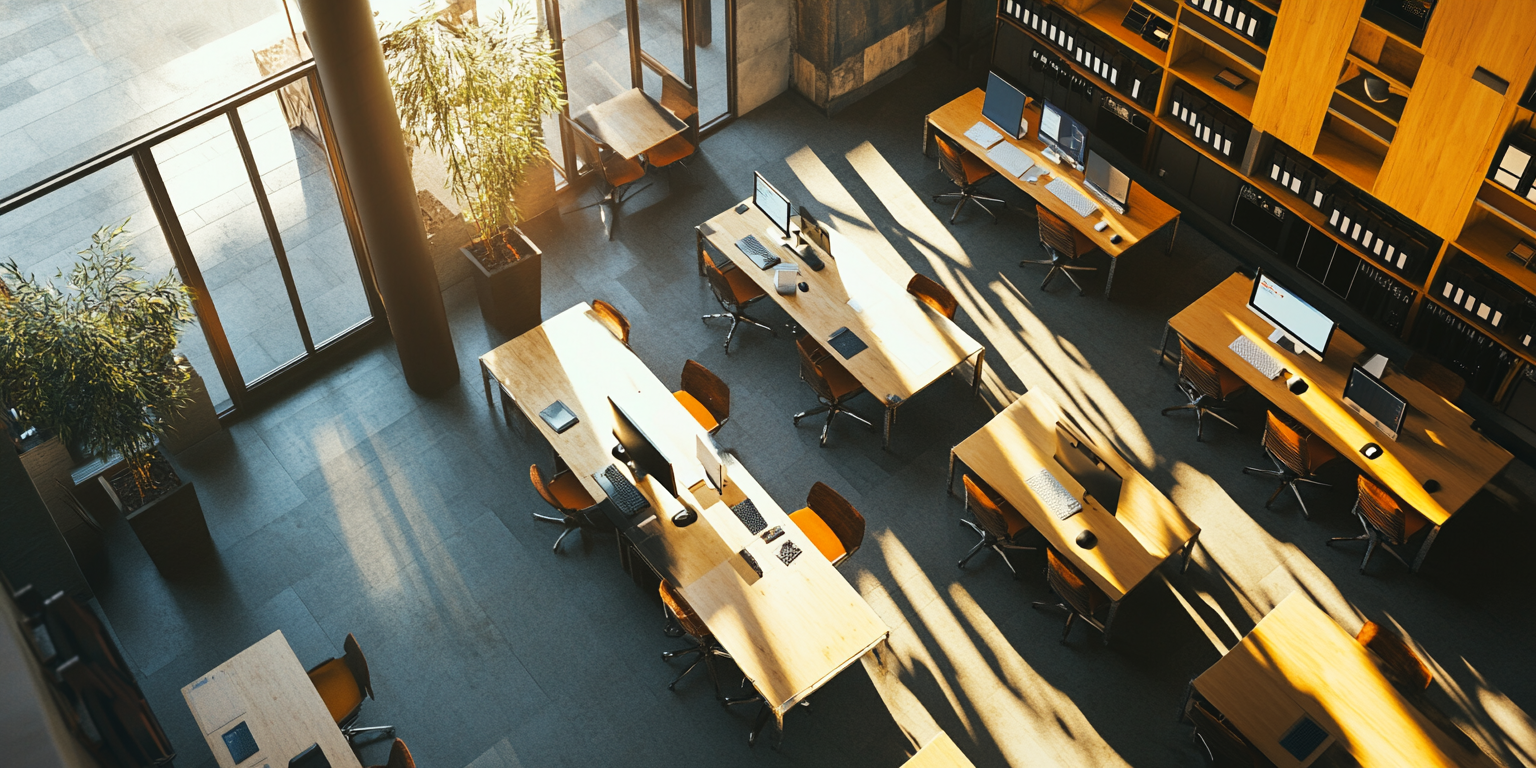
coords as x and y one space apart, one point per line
240 743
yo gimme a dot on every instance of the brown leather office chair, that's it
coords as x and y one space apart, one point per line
936 296
997 522
565 493
399 756
617 172
734 290
705 396
831 523
1079 598
1205 382
610 316
683 102
705 649
1438 378
1058 240
1386 521
833 384
966 171
1296 454
342 683
1399 661
1222 746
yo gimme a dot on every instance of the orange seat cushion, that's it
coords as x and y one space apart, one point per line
842 383
1016 522
697 409
621 171
814 527
670 151
569 492
338 688
742 286
976 169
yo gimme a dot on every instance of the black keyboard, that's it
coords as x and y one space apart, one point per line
747 513
757 252
624 496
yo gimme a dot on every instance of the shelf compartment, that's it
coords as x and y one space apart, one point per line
1369 123
1168 9
1488 239
1106 16
1506 201
1319 221
1391 110
1392 26
1343 149
1233 45
1385 56
1198 65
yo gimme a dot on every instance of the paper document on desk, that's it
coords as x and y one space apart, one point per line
983 134
214 701
1012 159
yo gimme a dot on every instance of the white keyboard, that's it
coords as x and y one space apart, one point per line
1256 357
1074 199
1011 158
983 134
1056 498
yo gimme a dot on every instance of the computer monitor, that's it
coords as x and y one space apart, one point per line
1293 319
712 459
1087 468
1106 179
310 758
1369 397
1004 106
641 453
769 201
1063 133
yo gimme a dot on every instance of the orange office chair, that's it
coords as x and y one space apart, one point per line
705 646
734 290
833 384
705 396
399 756
831 523
1079 598
565 493
936 296
342 683
682 101
1223 747
1399 661
1297 455
617 172
998 523
1205 382
1060 241
1386 521
610 316
966 171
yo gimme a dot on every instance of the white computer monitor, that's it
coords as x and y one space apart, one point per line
770 202
1368 396
712 459
1308 329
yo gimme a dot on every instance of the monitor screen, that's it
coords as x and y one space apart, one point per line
769 201
1004 106
1286 311
1087 468
643 455
1107 178
1374 400
1064 133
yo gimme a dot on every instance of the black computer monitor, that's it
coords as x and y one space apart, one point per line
1004 106
1293 319
1063 133
1107 180
641 453
1087 468
769 201
310 758
1369 397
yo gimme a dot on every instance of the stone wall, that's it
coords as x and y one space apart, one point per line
763 45
845 49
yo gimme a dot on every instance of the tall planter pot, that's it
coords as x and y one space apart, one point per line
171 528
510 294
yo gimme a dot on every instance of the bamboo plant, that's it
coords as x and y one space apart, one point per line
477 94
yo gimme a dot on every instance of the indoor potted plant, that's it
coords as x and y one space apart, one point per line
93 357
477 95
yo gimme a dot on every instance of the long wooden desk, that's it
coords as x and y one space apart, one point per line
1436 441
790 630
910 345
939 752
1297 661
1146 529
266 687
1144 212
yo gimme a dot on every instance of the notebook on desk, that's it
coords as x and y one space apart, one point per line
847 343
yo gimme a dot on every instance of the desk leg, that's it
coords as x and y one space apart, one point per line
1418 560
981 361
1109 623
949 487
1189 552
1109 280
1169 250
890 418
927 136
485 379
1162 346
506 409
698 238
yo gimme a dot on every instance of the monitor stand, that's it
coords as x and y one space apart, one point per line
1375 365
1051 155
1283 340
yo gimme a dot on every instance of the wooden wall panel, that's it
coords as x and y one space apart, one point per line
1305 57
1499 36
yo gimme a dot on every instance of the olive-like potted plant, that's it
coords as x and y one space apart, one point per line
92 355
477 94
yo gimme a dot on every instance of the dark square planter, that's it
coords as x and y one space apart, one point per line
173 530
510 295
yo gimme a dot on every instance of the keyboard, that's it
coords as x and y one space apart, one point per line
622 493
757 252
1073 198
1056 498
1256 357
1011 158
1109 202
747 513
983 134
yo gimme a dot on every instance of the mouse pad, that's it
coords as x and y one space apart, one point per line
240 743
847 343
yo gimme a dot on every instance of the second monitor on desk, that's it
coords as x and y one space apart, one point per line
1063 134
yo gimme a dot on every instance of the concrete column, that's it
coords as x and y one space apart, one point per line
362 109
845 49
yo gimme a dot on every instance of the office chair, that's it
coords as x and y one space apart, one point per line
399 756
1222 746
617 172
613 319
1058 239
933 294
342 683
1078 597
565 493
966 171
127 732
1398 661
1204 381
1386 521
831 523
683 102
734 290
997 522
1438 378
1297 454
705 649
705 396
833 384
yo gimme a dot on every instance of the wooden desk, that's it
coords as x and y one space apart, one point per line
791 630
1437 440
1146 529
939 752
1299 661
632 123
910 345
266 687
1144 212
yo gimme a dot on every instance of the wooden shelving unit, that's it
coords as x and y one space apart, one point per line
1342 150
1106 15
1390 111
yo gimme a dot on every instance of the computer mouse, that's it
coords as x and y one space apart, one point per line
684 518
1101 226
805 287
1087 540
1032 179
1372 450
1431 485
1114 238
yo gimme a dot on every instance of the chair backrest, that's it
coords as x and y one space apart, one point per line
1381 510
610 316
1072 586
950 159
1224 747
399 756
1395 653
710 390
682 101
1198 370
588 148
929 292
536 477
352 654
984 502
720 286
838 514
680 608
1056 233
811 357
1438 378
1288 444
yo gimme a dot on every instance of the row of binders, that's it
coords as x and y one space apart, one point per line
1240 16
1089 49
1481 293
1380 297
1480 360
1212 124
